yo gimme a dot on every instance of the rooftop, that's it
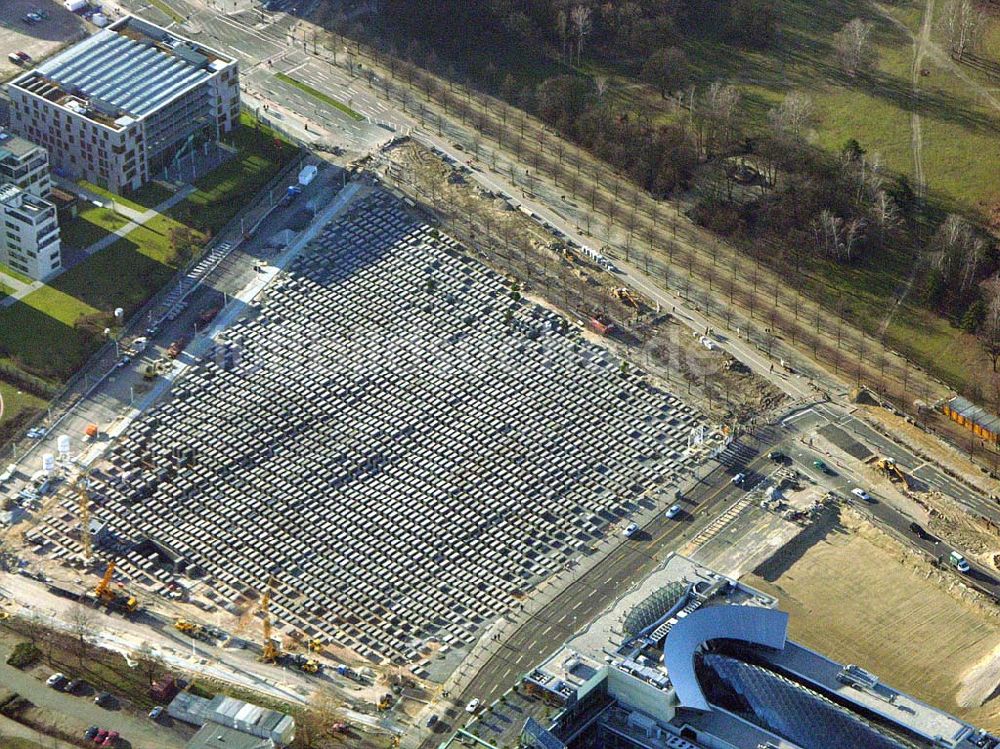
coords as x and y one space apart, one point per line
128 69
14 145
215 736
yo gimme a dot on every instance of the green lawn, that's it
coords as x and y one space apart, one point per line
91 225
319 96
173 14
15 274
148 196
15 401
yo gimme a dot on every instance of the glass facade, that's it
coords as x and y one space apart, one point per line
786 708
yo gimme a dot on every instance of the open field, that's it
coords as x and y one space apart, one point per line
827 583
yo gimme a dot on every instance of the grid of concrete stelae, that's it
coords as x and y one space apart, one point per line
405 445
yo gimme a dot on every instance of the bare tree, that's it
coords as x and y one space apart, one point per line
854 47
601 85
580 16
82 623
885 213
989 331
793 117
149 662
963 23
719 110
562 28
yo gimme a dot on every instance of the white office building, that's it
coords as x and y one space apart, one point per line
30 240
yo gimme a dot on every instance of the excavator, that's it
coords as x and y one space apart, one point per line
628 297
271 651
112 598
890 468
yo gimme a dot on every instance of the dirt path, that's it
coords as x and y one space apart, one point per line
920 44
933 50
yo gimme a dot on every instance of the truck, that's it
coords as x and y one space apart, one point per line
959 562
75 5
291 194
176 347
307 175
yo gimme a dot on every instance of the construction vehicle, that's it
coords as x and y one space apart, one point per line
890 468
271 652
188 628
385 701
314 645
176 347
113 598
628 297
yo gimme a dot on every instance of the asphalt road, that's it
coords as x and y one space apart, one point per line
844 479
583 599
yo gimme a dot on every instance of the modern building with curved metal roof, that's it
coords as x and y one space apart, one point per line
689 658
754 625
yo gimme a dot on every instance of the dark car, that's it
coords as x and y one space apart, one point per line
777 456
102 699
919 532
90 733
75 686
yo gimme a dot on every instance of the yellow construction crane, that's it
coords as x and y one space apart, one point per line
103 590
271 653
81 489
106 595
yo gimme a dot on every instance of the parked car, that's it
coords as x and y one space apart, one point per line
473 705
90 733
673 512
75 685
739 478
111 739
156 712
959 562
861 494
100 736
56 681
777 456
102 698
630 530
431 720
821 466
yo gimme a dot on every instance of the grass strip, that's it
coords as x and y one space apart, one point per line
317 94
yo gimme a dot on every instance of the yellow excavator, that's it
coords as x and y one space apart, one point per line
890 468
188 628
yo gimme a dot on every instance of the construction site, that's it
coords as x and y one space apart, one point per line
575 279
389 448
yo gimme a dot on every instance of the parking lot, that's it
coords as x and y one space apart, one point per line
39 40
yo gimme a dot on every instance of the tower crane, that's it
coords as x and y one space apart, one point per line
81 484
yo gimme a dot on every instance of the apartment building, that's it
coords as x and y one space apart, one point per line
30 240
117 107
24 164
